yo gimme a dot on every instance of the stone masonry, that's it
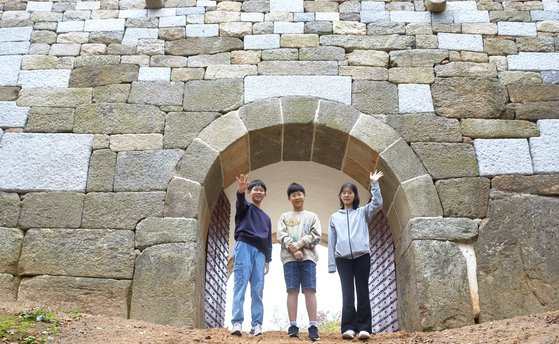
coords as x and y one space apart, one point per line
121 124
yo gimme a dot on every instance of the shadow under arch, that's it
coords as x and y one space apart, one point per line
309 129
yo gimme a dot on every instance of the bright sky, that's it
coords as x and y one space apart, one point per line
328 295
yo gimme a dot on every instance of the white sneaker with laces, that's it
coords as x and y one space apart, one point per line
363 335
256 330
349 334
236 330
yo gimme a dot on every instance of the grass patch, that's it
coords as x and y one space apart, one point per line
30 327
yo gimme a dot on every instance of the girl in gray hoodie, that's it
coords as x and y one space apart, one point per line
349 252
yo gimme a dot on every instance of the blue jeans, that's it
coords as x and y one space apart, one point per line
249 267
300 275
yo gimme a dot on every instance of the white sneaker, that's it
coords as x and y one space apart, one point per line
349 334
363 335
256 330
236 330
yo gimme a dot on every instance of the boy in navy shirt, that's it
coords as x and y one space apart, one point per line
252 253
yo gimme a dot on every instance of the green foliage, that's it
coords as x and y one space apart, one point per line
39 315
75 314
329 322
30 327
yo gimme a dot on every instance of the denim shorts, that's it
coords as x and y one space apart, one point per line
300 275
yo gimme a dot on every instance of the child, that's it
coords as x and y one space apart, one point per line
349 251
252 253
298 233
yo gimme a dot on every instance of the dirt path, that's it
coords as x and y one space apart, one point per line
540 329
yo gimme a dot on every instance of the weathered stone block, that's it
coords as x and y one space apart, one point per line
169 269
516 77
213 95
8 287
10 208
120 210
368 58
459 230
100 75
261 114
467 69
352 42
51 210
412 75
533 93
438 296
464 97
197 162
327 87
203 45
184 198
49 119
534 61
265 146
329 146
298 109
62 159
464 197
336 116
399 164
496 128
136 142
503 156
181 128
104 253
537 110
515 252
425 127
229 71
322 54
101 170
297 142
158 93
375 97
92 295
11 240
414 98
417 57
8 93
153 231
110 118
417 198
298 68
544 185
59 97
447 160
374 133
145 170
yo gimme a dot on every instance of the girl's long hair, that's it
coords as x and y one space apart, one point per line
353 188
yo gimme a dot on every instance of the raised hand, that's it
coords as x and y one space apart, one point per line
376 176
243 183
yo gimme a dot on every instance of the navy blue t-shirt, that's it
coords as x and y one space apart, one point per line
253 226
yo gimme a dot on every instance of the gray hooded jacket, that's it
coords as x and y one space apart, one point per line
348 233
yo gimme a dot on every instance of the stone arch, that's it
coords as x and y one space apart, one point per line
323 131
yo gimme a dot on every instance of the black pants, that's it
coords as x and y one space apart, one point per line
355 272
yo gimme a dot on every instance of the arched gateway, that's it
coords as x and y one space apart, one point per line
328 133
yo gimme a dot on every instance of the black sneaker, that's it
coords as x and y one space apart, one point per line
313 333
293 331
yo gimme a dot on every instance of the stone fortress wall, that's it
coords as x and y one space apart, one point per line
119 126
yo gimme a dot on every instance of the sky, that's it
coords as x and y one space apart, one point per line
328 294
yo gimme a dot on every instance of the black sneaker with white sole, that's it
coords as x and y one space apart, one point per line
293 331
313 333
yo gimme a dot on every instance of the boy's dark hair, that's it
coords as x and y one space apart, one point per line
257 182
295 187
353 188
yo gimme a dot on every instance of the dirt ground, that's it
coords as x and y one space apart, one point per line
537 329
